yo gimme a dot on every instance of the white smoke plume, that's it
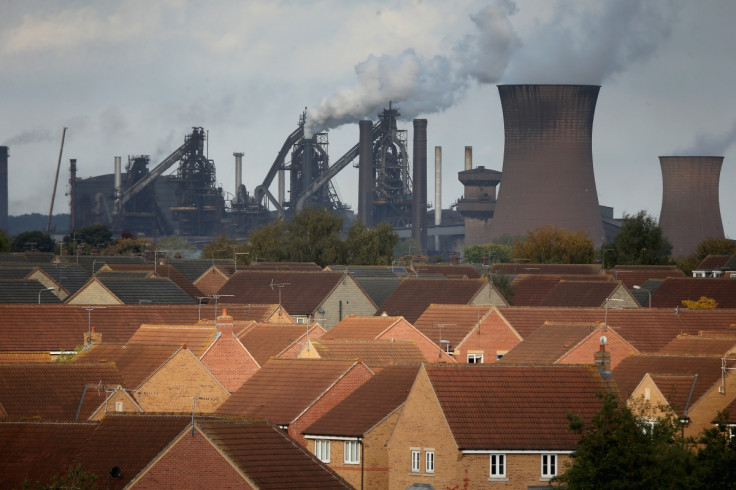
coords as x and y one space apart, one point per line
711 144
590 47
29 136
420 85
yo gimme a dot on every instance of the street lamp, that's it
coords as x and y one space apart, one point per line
41 291
648 292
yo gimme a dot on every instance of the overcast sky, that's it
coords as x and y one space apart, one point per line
131 77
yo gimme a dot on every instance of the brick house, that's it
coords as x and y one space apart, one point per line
673 291
490 424
373 353
162 452
531 289
325 297
164 378
385 327
470 334
293 393
351 438
266 340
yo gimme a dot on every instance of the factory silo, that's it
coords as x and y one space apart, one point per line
548 161
691 211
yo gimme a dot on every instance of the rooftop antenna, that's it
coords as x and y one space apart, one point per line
442 341
279 285
217 297
89 315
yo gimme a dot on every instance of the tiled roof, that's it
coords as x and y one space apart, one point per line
62 327
193 269
283 388
361 271
285 266
368 405
25 356
515 407
88 262
676 389
530 289
378 288
302 292
196 338
373 353
579 293
267 340
163 271
362 327
673 291
638 276
699 345
450 322
647 329
456 271
268 456
136 362
71 277
713 262
548 343
156 291
631 370
530 268
731 409
25 291
15 271
413 295
51 391
730 264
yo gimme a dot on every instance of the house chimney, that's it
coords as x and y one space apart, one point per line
92 337
602 358
454 259
225 324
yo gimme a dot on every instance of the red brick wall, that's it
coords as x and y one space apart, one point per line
494 335
355 377
583 353
191 463
229 362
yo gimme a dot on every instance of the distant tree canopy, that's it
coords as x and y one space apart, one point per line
711 246
225 247
131 246
89 237
5 241
553 245
494 252
33 240
640 242
175 243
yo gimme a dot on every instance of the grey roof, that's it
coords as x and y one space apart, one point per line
14 258
69 276
156 291
378 288
730 264
87 262
15 271
25 291
193 269
358 271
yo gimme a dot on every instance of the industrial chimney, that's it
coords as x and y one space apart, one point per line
366 174
4 188
419 194
437 194
73 193
691 211
118 185
548 161
238 176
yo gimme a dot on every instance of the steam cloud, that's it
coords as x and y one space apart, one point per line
711 144
30 136
423 85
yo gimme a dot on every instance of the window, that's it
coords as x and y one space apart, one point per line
549 465
322 450
498 466
475 358
415 458
429 461
118 406
352 452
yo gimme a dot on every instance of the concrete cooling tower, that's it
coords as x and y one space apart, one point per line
548 161
691 211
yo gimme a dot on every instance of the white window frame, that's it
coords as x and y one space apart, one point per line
476 358
118 406
429 461
416 458
549 465
497 465
322 450
352 452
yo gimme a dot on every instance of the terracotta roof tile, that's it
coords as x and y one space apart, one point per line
637 276
373 401
450 322
713 262
136 362
530 289
196 338
548 343
372 352
25 357
267 340
531 268
676 389
362 327
413 295
51 391
699 345
579 293
673 291
283 388
515 407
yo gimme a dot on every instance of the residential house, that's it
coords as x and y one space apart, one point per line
325 297
386 327
470 334
457 271
162 452
524 266
164 378
62 391
531 289
673 292
66 279
153 270
637 275
26 291
373 353
414 295
293 393
270 340
696 388
351 437
580 294
482 425
704 344
711 266
378 282
115 290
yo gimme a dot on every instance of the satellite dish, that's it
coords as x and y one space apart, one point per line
604 340
115 472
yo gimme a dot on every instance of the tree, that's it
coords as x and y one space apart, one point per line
175 243
222 247
703 303
268 243
93 236
131 246
33 240
640 242
494 252
407 246
313 235
371 246
5 242
553 245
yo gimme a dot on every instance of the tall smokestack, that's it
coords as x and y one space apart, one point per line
73 193
691 211
468 158
437 193
118 186
4 188
419 201
366 175
238 174
548 161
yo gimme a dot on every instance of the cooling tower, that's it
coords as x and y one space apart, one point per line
690 207
4 188
548 161
419 181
